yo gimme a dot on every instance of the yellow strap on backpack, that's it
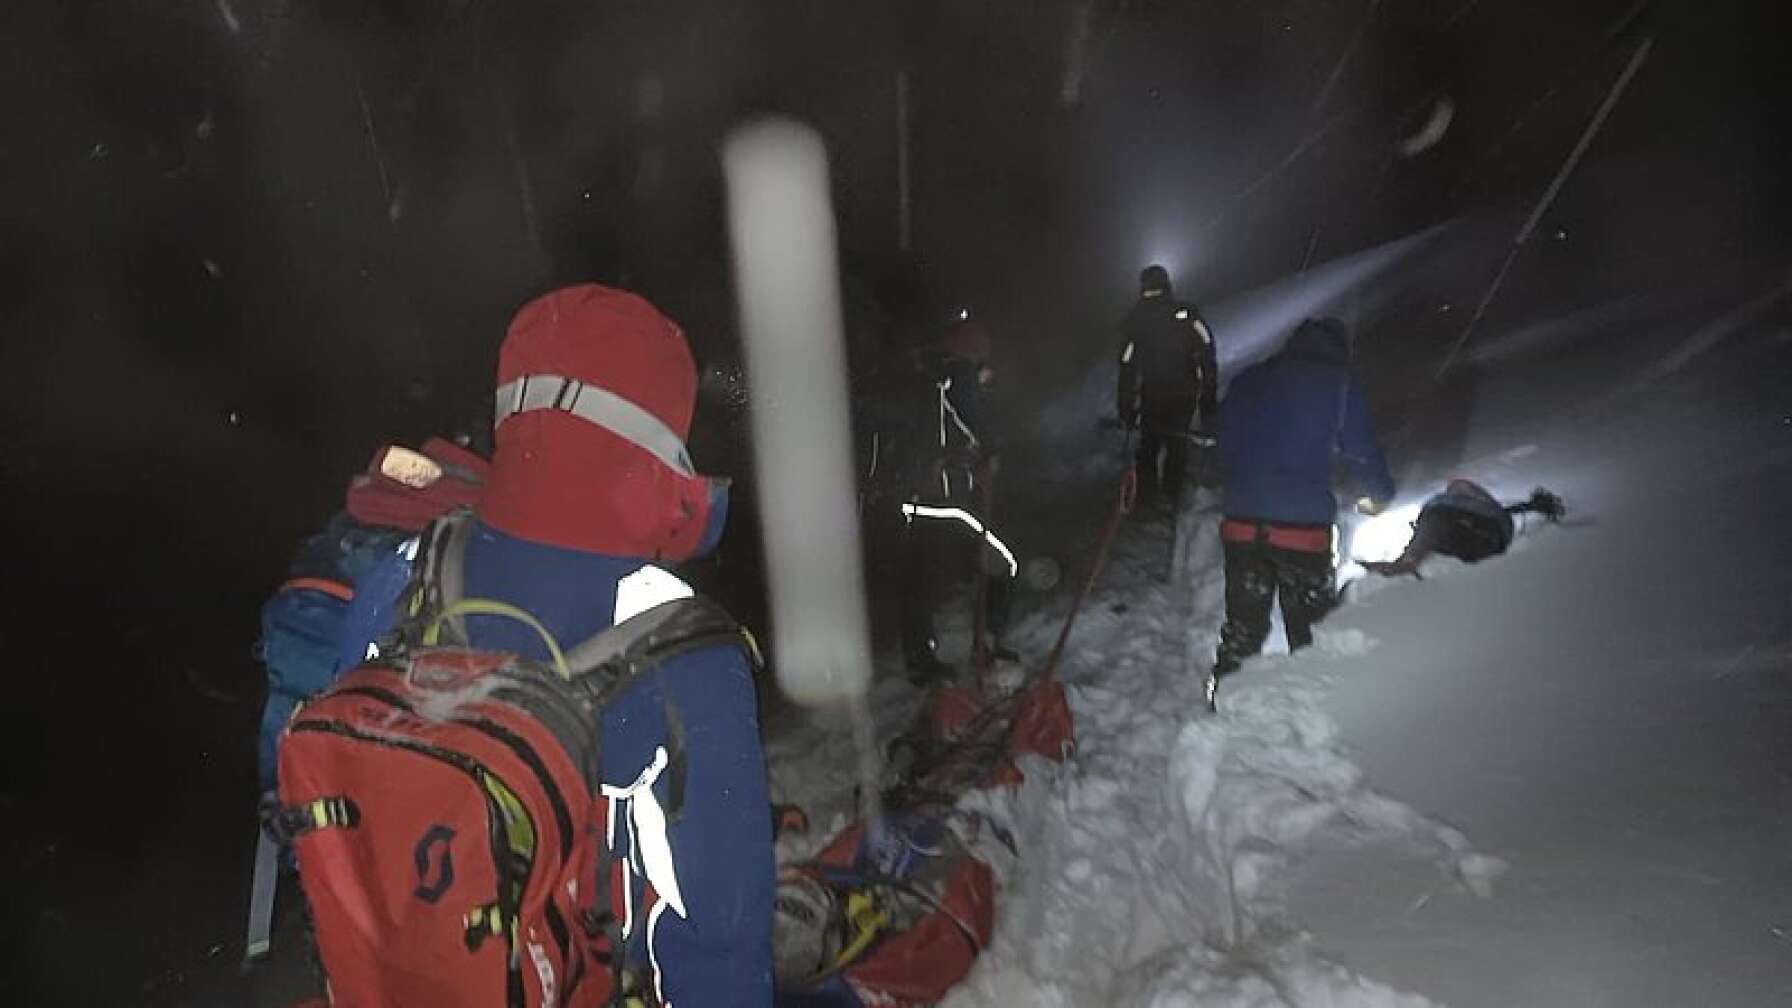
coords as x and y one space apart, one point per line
868 918
491 607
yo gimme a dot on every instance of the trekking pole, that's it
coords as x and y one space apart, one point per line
264 880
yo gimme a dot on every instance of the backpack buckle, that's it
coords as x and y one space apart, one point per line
286 823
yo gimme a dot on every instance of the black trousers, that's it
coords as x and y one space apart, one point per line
1256 575
1174 451
941 554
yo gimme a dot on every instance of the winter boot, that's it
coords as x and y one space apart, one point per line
1225 666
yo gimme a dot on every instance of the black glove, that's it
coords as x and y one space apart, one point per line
1392 568
1547 504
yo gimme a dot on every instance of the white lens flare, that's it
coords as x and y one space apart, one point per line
787 278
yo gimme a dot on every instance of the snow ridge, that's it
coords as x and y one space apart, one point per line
1154 868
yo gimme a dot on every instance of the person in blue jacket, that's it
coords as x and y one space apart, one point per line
590 491
1282 424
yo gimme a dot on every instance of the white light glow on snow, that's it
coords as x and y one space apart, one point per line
1383 537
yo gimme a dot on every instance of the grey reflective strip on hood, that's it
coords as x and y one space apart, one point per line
595 405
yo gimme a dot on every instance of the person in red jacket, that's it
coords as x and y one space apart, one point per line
592 496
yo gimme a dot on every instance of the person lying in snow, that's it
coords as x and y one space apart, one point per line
1465 522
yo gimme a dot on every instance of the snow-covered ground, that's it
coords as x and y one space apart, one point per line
1155 865
1559 777
1607 708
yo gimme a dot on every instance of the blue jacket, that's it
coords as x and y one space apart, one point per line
719 952
1281 424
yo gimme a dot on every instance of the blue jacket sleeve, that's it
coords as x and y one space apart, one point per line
718 952
1359 449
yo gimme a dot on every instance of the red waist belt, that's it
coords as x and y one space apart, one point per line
1302 539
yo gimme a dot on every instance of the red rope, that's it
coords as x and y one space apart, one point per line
1129 488
971 738
981 656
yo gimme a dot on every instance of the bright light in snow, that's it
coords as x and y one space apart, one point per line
1383 537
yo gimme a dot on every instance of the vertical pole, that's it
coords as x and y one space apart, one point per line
904 196
1549 197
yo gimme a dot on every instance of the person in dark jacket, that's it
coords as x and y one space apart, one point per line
1282 425
948 515
1167 375
1465 522
591 490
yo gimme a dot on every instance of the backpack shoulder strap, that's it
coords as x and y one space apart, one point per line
437 579
636 645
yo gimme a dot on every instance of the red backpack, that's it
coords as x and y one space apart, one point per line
441 805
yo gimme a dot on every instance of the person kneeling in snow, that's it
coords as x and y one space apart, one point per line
1280 425
1465 522
590 485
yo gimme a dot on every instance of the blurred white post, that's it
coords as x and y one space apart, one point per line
781 224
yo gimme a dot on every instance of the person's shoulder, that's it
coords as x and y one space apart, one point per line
708 667
1257 371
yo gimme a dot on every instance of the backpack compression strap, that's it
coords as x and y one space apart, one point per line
660 633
